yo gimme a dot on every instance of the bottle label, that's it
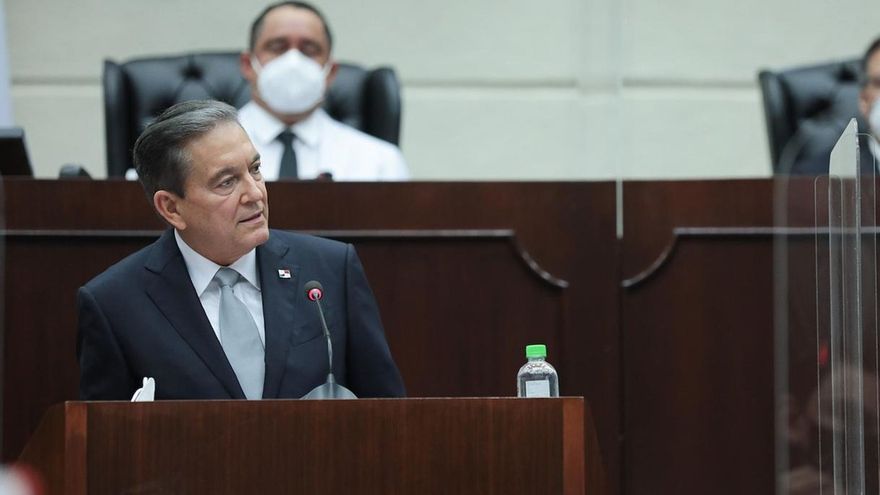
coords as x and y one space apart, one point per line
538 388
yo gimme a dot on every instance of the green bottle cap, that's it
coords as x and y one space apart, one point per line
536 350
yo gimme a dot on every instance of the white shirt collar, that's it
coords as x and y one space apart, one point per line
308 130
266 127
202 270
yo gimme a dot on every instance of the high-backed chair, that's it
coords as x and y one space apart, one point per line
137 91
806 109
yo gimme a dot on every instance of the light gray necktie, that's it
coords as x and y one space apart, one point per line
240 338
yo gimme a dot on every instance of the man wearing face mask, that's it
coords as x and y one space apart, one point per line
289 67
808 151
869 97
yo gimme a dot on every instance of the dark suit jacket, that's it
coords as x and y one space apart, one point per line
142 318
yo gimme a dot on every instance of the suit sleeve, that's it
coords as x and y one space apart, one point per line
104 373
371 369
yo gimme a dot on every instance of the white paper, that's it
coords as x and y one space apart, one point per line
146 393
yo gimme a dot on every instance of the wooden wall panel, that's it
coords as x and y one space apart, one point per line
42 276
698 334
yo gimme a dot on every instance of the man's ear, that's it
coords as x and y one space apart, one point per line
864 104
246 68
168 206
331 75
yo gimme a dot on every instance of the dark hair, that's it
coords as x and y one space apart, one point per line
160 155
257 25
875 45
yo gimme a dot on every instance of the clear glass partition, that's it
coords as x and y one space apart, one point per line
826 326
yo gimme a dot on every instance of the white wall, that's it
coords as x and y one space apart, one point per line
503 89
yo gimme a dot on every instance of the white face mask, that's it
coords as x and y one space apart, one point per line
874 118
291 83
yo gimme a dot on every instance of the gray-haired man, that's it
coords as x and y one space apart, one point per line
215 308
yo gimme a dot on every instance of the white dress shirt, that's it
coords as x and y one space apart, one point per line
322 145
874 146
247 289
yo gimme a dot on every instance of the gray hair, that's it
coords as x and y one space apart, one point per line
160 155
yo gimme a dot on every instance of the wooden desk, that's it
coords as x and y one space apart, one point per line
373 446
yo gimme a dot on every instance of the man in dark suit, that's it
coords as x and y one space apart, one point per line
216 307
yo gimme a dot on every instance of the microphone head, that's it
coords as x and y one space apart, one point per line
314 291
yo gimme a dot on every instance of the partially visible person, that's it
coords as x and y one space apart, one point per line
216 307
809 150
870 95
289 66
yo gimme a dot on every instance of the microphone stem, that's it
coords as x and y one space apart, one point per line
326 334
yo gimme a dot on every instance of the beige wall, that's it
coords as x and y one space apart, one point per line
584 89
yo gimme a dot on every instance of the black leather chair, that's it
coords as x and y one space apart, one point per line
806 109
137 91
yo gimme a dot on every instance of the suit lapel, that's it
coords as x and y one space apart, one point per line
279 308
170 287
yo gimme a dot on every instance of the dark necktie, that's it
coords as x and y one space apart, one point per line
288 158
239 337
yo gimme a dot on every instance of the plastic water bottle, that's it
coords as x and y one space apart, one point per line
537 378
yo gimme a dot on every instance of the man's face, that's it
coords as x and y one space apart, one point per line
225 211
871 90
287 28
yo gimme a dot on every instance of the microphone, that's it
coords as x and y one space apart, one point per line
329 389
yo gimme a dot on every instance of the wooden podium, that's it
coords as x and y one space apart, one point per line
369 446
